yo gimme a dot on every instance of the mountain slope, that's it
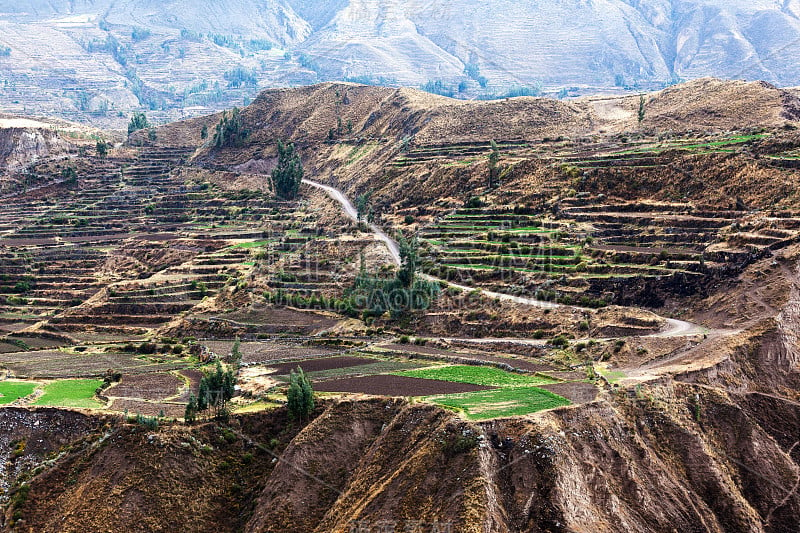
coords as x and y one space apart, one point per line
84 60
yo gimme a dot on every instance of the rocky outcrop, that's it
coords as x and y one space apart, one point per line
20 147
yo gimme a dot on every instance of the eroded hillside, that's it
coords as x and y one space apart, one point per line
612 345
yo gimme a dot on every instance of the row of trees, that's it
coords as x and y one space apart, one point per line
230 130
215 391
218 387
300 397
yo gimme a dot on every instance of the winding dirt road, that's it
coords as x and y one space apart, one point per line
674 327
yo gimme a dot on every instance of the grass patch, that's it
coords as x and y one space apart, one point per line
477 375
256 407
254 244
11 391
500 403
612 376
70 393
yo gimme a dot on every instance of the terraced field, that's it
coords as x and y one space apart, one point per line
510 394
136 248
148 251
501 403
581 256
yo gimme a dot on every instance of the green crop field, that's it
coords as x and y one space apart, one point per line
500 403
11 391
477 375
254 244
70 393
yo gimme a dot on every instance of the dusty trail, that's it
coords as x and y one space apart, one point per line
351 212
674 328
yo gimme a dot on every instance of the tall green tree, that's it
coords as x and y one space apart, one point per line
288 173
236 354
70 175
409 260
300 397
230 130
494 166
216 390
102 149
190 414
642 111
138 122
364 207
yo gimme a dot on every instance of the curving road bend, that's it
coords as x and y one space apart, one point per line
674 327
351 212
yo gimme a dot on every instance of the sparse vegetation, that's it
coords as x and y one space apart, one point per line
641 112
494 168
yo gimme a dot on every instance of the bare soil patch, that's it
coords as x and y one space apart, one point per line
146 386
194 377
515 362
576 392
134 407
396 386
158 237
316 365
259 352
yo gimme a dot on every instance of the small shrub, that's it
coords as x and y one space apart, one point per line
460 444
474 202
560 341
147 348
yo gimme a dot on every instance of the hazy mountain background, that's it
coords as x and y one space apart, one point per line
99 59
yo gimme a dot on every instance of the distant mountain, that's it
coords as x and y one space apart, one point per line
95 59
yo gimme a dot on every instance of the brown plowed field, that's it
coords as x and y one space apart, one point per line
395 386
316 365
146 386
516 362
135 407
576 392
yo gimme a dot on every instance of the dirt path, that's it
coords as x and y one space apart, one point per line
680 328
675 328
351 212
